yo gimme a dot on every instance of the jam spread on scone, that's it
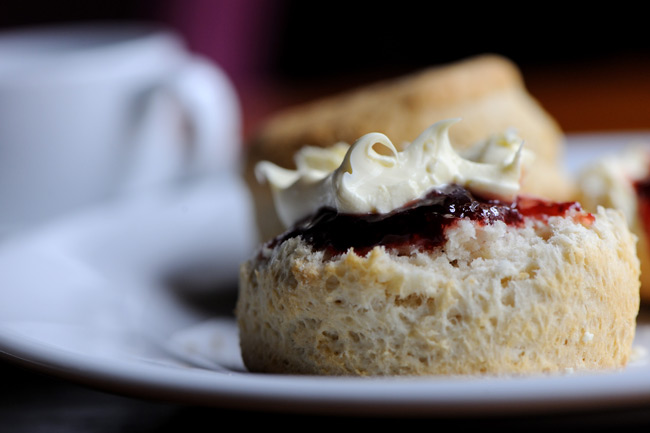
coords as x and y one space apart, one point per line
642 189
419 225
372 194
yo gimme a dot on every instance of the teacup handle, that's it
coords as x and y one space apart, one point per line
200 97
212 111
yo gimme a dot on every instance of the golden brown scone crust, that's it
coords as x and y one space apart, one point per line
494 300
487 92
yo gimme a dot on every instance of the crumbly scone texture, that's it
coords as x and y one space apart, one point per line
487 92
494 299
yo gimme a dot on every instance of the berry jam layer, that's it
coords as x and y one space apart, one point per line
642 188
419 225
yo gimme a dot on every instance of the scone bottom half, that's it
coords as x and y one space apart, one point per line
452 284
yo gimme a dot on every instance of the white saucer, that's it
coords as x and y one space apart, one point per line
123 297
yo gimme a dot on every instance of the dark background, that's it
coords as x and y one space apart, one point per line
281 52
305 40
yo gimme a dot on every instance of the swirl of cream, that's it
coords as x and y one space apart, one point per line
374 176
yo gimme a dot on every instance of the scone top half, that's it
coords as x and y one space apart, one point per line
421 261
487 91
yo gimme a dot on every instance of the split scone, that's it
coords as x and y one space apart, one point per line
622 181
487 92
421 262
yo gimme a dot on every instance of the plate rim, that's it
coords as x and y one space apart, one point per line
336 395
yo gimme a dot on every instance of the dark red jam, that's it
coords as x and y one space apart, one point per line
419 225
642 188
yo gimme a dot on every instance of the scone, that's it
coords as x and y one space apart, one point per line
487 92
622 181
420 262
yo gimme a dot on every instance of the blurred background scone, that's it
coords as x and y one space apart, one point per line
622 181
487 92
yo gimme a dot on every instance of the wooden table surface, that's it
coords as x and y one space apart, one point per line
602 96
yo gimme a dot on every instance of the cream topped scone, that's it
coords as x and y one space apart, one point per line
622 181
487 91
420 262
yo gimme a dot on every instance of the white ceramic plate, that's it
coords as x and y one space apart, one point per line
113 298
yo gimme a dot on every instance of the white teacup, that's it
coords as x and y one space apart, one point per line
91 111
